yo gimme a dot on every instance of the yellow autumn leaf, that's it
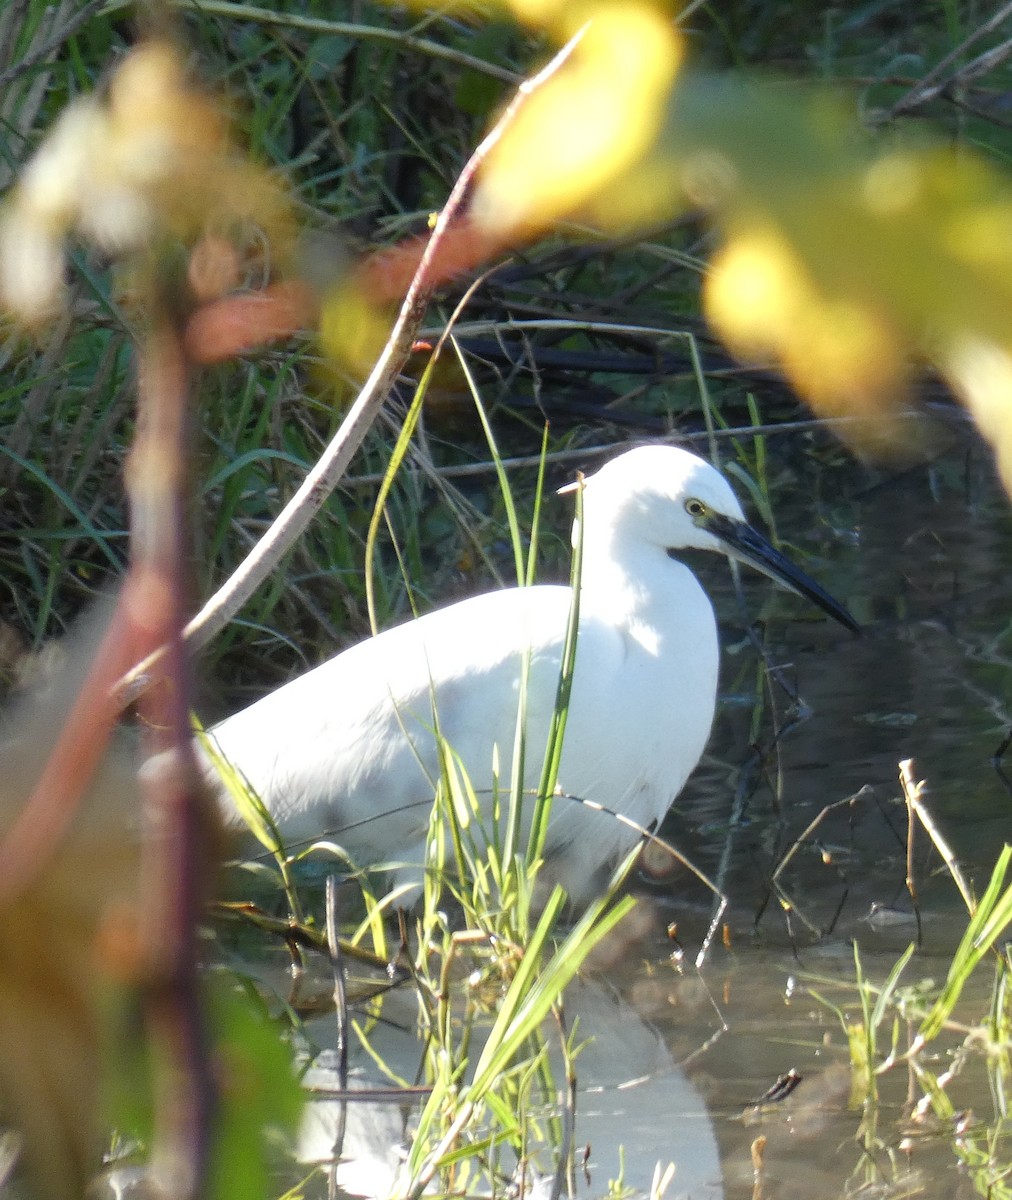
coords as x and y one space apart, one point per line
844 263
154 157
841 352
353 329
585 125
541 14
981 375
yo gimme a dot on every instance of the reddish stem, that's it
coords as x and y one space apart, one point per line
177 845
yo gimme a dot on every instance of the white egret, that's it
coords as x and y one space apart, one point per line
347 750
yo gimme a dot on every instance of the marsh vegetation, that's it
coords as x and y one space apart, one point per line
242 196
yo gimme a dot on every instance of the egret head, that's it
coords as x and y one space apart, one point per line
665 497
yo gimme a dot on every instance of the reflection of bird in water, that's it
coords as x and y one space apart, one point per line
636 1108
348 749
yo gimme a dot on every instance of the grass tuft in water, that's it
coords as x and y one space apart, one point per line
924 1028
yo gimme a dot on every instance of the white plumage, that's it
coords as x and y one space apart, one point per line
347 750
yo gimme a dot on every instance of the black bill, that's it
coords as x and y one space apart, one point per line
741 541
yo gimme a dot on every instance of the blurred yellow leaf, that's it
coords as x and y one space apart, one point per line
543 14
843 262
353 329
844 355
981 374
153 158
584 126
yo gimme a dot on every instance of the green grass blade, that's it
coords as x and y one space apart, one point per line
504 484
889 987
397 457
990 918
97 536
560 713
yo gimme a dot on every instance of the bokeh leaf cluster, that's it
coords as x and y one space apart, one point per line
846 261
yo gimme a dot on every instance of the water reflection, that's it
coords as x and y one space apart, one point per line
636 1110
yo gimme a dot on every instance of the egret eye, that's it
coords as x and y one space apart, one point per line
695 508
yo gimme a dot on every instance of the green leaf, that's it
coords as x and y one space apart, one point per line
990 919
259 1091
